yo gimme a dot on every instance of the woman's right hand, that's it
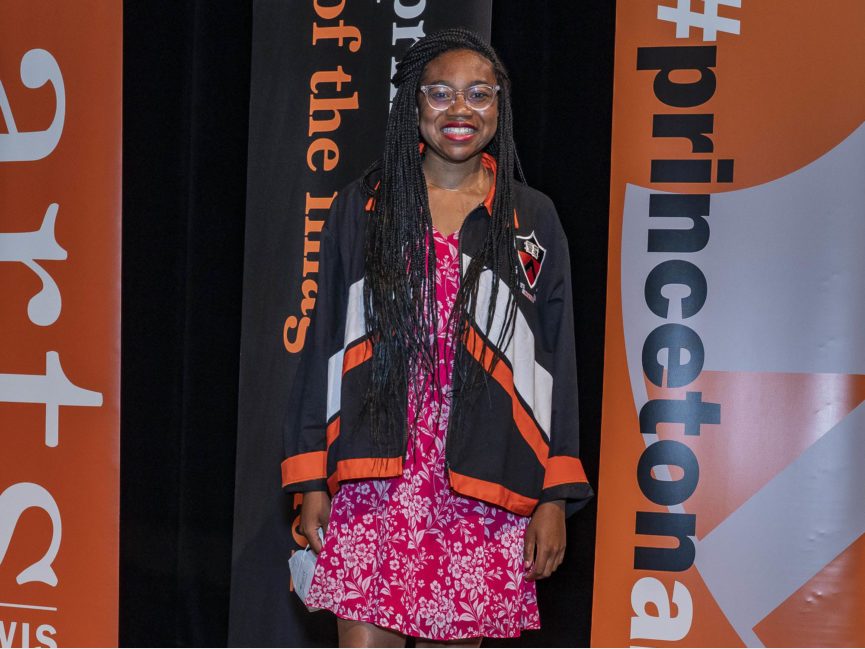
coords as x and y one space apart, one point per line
314 513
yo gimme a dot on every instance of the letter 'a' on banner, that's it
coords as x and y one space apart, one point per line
60 182
730 499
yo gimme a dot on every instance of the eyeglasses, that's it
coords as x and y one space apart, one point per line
442 97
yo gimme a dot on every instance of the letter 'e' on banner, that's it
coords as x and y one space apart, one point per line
731 481
60 184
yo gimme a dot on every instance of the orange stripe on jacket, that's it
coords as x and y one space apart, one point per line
505 377
358 468
370 203
332 432
489 162
562 469
492 492
356 355
303 467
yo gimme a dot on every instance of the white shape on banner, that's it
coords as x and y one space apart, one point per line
709 21
29 607
409 12
797 242
44 633
52 388
664 625
38 67
789 530
26 248
15 501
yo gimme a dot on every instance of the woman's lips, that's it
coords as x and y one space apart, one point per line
458 132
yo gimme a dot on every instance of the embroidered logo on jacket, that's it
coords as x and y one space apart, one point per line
531 254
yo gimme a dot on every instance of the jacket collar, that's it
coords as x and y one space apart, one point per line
487 160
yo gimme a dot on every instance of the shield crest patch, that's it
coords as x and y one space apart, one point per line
531 254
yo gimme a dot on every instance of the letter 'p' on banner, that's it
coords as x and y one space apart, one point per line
60 130
731 493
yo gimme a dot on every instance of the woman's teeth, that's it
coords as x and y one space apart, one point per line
458 130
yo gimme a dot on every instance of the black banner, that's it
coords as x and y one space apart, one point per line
320 94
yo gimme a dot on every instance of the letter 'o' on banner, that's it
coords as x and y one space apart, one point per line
730 501
60 180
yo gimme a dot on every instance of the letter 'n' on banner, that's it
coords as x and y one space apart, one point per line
60 182
730 496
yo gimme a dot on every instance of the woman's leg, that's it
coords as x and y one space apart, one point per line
364 634
467 642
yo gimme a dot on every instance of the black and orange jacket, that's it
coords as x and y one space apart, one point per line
524 442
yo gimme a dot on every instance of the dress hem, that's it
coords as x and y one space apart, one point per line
408 634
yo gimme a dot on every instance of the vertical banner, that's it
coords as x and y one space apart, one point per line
319 103
60 130
733 422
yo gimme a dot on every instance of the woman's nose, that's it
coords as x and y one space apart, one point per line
460 107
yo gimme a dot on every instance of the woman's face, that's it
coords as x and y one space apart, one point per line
458 133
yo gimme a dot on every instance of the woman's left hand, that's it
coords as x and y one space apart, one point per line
545 540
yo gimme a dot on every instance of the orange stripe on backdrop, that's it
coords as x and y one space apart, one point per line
492 493
61 463
303 467
356 355
563 469
505 377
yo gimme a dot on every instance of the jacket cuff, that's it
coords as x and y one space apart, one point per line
303 472
575 495
566 480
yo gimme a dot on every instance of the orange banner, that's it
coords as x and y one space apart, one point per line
60 159
734 395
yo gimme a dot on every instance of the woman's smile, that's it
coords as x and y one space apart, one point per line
458 131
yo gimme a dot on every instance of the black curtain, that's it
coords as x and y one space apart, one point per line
186 103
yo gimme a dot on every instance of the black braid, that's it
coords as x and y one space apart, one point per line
399 302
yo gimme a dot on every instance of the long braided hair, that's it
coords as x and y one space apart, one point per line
399 288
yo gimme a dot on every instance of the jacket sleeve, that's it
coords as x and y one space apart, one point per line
304 433
564 478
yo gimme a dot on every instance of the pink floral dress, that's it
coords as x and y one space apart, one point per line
411 555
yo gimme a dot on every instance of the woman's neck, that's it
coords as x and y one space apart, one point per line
452 175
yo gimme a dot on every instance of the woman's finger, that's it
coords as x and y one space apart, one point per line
314 514
542 559
529 549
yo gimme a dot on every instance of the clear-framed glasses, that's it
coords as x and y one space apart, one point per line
478 97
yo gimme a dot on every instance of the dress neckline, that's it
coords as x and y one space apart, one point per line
446 237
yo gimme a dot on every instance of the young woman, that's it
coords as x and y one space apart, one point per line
437 402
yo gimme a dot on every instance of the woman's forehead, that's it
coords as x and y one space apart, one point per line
459 68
